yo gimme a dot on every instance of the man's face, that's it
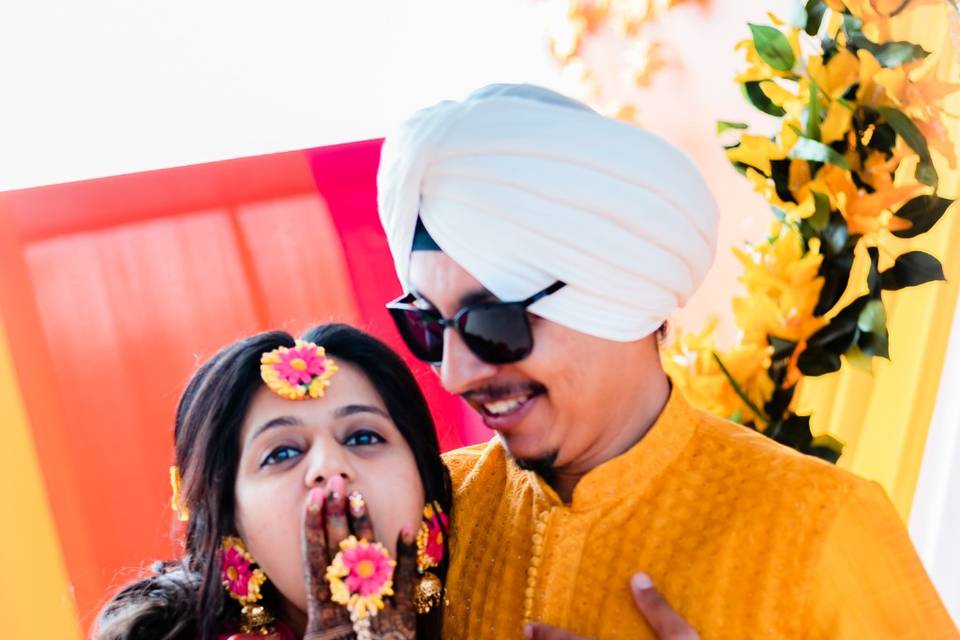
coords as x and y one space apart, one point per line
556 408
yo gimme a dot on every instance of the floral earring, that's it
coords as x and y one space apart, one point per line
242 579
429 590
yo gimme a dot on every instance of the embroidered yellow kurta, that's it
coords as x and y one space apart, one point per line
744 537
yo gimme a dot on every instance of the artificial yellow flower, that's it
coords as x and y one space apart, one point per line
794 211
689 361
868 213
837 123
877 170
836 76
783 287
918 91
757 69
877 12
915 88
870 93
756 151
938 139
787 100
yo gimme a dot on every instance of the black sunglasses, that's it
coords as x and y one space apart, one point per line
496 332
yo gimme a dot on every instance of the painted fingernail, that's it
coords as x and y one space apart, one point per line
641 582
358 506
336 505
336 485
315 499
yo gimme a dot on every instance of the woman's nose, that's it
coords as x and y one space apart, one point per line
327 460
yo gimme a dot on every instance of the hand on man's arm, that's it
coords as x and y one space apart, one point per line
666 623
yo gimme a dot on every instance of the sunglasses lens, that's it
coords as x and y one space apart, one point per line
498 333
422 333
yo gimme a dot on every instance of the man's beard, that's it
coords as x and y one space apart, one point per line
541 465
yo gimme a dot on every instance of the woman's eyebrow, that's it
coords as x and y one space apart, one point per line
282 421
351 409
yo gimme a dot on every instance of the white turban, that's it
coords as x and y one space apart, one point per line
522 187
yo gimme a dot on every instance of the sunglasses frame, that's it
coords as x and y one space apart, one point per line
405 304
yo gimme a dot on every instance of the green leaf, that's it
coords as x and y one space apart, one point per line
873 317
923 212
826 447
821 214
841 333
723 125
795 432
837 248
813 112
781 398
814 10
911 269
780 174
873 276
858 359
875 344
912 135
739 391
781 348
755 95
773 47
807 149
894 54
851 23
815 361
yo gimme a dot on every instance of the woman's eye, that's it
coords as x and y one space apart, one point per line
280 454
362 438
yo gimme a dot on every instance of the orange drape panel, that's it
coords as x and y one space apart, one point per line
114 299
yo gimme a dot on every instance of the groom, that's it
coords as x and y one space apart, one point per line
542 248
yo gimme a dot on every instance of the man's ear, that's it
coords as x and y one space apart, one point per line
662 332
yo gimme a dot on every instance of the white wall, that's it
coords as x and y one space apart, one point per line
935 514
90 88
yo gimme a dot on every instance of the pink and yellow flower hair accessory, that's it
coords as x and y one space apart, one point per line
298 372
360 577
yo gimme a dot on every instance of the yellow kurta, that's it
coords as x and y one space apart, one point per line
744 537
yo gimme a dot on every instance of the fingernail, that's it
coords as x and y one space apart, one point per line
641 582
336 485
336 505
357 504
408 534
315 499
528 631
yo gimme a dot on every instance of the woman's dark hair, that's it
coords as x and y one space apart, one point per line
185 599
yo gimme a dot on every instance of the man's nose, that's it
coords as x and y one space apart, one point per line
461 370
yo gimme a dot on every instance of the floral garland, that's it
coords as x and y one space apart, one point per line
849 170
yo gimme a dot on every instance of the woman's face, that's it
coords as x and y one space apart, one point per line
288 447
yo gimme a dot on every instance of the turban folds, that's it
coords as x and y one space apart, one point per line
522 187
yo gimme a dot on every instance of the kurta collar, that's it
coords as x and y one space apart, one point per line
630 472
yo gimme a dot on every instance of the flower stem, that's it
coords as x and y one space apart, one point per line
739 391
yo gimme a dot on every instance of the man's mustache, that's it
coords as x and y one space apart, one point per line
493 393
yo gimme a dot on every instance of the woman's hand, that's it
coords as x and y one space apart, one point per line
329 520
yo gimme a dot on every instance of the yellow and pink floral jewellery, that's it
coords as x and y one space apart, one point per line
299 372
360 577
